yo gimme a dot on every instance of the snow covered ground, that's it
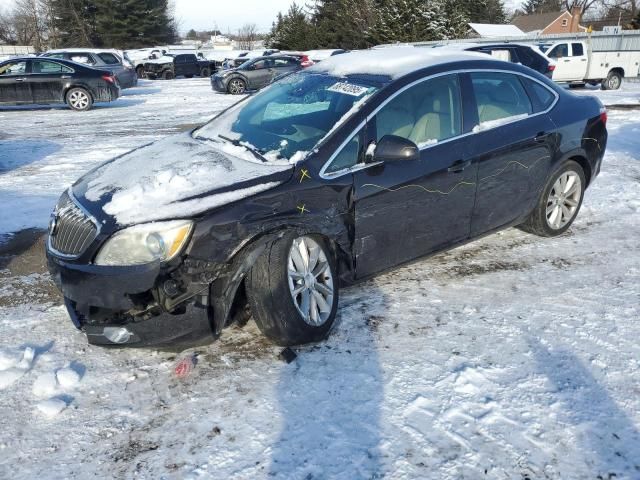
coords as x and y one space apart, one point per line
514 357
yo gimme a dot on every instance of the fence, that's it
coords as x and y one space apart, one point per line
600 41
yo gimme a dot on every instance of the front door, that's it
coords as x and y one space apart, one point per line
14 87
511 145
408 208
47 80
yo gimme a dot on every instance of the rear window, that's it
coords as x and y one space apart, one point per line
109 58
84 58
500 98
43 66
577 50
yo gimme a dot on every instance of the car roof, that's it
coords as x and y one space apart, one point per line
60 60
392 62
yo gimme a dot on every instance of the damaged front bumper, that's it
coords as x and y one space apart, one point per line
139 305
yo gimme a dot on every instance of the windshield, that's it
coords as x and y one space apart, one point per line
290 117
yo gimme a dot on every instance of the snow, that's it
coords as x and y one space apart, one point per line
489 30
394 62
160 60
514 355
158 181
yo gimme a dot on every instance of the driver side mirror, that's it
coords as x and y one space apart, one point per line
392 148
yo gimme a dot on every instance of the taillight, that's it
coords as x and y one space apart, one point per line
109 78
603 115
551 68
305 62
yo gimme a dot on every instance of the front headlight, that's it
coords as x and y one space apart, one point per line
145 243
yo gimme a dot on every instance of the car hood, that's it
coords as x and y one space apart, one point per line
177 177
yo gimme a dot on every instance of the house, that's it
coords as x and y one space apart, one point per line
551 22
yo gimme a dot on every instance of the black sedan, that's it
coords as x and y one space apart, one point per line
44 81
349 168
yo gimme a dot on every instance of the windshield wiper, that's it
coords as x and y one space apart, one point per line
237 143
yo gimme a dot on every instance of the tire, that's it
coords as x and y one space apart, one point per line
270 290
79 99
612 82
168 75
140 72
205 72
236 86
554 201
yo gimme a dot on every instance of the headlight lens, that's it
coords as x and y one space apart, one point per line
145 243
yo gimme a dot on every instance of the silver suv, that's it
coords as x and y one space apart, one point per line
254 74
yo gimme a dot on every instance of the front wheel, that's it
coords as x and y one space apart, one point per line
79 99
237 86
168 75
140 71
559 203
293 290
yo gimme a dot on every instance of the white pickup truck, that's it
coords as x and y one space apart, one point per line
576 63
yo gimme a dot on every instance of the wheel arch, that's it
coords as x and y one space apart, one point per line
228 291
78 85
586 166
619 70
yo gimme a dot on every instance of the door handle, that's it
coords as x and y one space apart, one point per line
459 166
65 76
20 79
541 137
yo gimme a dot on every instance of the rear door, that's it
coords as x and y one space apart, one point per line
14 87
47 79
512 144
261 73
408 208
284 65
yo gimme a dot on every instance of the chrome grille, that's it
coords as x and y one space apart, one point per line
73 231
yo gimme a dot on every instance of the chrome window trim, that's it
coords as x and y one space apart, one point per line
357 167
89 216
51 60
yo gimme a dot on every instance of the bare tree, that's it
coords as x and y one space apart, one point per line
583 5
247 36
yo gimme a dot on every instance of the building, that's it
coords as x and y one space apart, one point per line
551 22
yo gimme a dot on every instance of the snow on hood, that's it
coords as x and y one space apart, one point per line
177 177
394 62
161 60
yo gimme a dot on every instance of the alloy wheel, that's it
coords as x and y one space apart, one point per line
564 200
79 100
236 86
310 281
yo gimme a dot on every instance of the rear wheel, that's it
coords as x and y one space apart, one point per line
79 99
237 86
189 76
168 75
559 203
205 72
612 82
293 290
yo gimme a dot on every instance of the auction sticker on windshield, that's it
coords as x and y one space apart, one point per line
348 88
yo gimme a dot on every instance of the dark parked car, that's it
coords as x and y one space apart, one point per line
527 55
100 59
335 173
34 80
183 65
254 74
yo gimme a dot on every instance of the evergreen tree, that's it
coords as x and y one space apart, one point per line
292 31
410 21
485 11
344 23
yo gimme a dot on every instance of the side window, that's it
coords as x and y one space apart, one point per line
56 55
426 113
14 68
42 66
502 54
542 97
284 62
348 156
500 98
109 58
559 51
577 50
82 58
260 65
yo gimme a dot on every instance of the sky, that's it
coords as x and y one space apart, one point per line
228 15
